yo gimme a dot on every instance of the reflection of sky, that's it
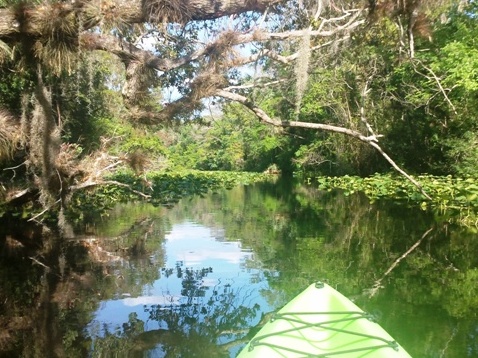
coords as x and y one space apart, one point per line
195 247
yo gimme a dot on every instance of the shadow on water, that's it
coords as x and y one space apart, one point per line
199 279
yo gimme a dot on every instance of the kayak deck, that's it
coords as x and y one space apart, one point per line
321 322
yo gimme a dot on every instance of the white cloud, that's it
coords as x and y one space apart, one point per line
151 300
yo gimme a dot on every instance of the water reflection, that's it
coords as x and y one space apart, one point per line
201 278
202 298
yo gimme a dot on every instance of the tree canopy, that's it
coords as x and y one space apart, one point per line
278 59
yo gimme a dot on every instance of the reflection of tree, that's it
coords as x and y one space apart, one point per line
296 236
307 234
191 282
48 293
41 317
208 323
121 342
132 229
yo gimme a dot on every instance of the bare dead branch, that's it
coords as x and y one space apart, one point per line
89 184
44 211
254 85
39 263
300 33
363 117
371 140
111 166
374 143
437 80
398 169
21 196
267 119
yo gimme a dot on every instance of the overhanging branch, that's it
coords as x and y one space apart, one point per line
370 140
126 12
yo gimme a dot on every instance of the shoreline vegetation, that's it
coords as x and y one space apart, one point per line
453 199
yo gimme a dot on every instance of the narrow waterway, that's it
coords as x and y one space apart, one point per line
199 279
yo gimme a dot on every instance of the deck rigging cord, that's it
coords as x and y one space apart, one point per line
298 322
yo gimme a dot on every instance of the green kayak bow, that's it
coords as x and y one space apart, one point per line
321 322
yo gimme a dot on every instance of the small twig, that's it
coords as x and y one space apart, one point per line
88 184
20 194
60 181
363 117
262 19
44 211
146 196
437 80
110 166
254 85
38 262
285 59
15 167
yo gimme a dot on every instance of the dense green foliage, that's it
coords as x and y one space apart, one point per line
88 100
163 188
79 132
424 106
234 141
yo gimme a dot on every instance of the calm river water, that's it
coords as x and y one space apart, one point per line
199 279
